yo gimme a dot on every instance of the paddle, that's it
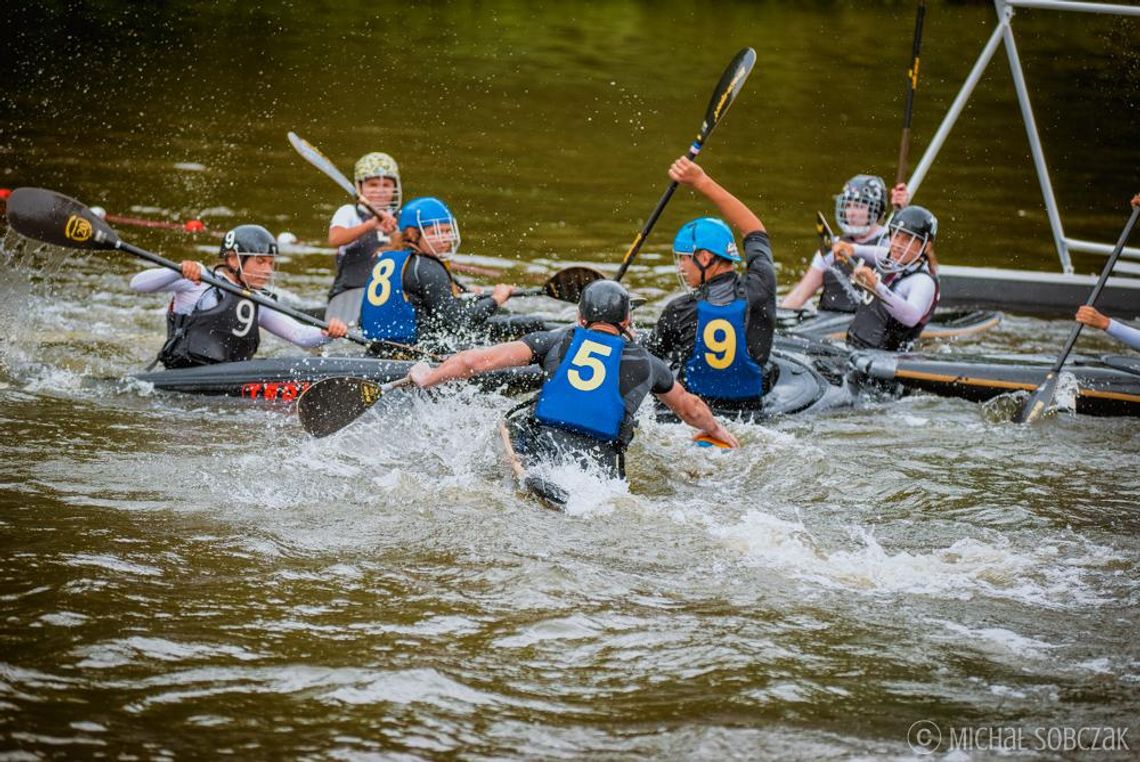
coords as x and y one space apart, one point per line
311 154
826 239
62 221
723 96
912 85
548 492
565 285
1037 403
330 404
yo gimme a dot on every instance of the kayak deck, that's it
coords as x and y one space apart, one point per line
946 324
1106 386
286 378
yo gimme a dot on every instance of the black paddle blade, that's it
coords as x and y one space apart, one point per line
548 492
1038 402
58 219
329 405
567 285
726 90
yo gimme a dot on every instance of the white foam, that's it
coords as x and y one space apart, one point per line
115 564
967 568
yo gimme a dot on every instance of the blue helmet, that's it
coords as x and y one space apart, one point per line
424 211
429 216
708 233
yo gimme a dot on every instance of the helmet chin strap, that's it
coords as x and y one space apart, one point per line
237 272
702 268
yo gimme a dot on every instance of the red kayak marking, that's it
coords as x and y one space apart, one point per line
286 391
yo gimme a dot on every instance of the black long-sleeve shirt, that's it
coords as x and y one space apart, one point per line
434 294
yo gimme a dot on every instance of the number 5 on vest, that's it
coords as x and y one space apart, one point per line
584 358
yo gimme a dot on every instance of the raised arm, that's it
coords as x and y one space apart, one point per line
689 173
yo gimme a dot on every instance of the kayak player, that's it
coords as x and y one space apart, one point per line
1093 317
412 296
206 325
859 212
719 335
596 378
357 233
903 280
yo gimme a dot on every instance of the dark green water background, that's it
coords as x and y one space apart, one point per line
183 577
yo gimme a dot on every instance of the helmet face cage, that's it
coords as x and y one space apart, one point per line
380 165
903 241
860 205
439 237
393 202
246 241
677 270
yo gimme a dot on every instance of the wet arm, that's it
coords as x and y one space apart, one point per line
447 310
687 172
343 236
693 411
472 362
806 288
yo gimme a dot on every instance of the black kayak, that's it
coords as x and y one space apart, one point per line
804 384
799 386
1107 385
285 378
946 324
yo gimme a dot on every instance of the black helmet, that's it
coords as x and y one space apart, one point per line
868 191
249 239
916 220
914 223
604 301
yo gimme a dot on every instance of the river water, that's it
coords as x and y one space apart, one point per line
187 576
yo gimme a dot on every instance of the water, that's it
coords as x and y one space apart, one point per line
186 576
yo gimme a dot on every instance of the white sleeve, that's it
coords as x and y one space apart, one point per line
1124 333
821 263
161 279
289 329
911 301
345 217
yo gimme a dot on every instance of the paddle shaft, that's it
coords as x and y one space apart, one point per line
245 293
640 239
723 96
312 154
1099 286
912 85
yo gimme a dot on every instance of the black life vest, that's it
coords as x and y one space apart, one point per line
354 266
875 328
226 332
839 294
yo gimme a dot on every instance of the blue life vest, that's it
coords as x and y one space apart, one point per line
385 312
720 366
584 394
